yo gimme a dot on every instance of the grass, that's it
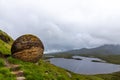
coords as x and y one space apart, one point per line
111 58
46 71
42 71
5 72
1 62
4 47
112 76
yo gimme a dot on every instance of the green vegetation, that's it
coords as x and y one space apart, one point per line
5 43
59 55
5 37
5 72
4 47
1 62
110 58
115 59
112 76
46 71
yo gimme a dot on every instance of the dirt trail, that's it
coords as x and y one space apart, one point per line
15 69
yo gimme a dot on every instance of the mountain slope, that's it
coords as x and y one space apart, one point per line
43 71
5 43
105 49
109 53
46 71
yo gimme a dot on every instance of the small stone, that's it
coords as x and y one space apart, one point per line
14 67
20 78
18 73
27 48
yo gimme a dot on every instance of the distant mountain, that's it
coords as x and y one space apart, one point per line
105 49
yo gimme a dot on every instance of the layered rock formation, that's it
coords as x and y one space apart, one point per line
27 48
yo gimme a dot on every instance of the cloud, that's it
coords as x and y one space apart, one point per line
63 24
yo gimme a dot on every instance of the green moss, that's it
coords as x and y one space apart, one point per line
5 43
1 62
4 48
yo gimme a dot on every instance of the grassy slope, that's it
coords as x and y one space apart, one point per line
112 76
5 72
110 58
5 46
46 71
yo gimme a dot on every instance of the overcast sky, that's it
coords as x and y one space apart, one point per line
63 24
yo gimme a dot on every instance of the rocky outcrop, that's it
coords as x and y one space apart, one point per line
27 48
5 44
5 37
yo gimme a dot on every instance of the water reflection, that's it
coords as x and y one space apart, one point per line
85 66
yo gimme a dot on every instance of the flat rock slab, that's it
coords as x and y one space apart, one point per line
20 78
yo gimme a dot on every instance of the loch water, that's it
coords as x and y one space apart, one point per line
85 65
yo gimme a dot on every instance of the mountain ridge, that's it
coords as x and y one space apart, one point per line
104 49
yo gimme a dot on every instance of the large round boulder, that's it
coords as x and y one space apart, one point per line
27 48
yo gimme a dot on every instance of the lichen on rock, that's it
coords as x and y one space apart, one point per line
5 44
27 48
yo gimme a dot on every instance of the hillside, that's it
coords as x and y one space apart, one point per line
43 70
105 49
46 71
109 53
101 50
5 43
